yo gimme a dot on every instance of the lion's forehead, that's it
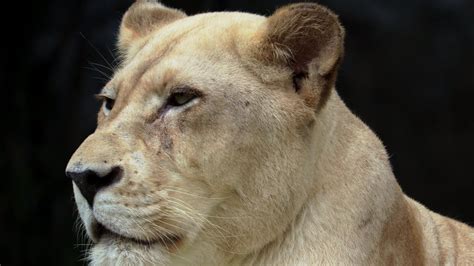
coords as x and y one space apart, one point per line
206 36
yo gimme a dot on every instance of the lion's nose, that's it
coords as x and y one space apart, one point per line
90 181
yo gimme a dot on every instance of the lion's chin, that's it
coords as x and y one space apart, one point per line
169 241
113 249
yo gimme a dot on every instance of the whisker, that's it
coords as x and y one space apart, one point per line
174 189
102 66
97 50
93 68
201 219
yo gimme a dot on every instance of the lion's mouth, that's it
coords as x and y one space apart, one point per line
169 241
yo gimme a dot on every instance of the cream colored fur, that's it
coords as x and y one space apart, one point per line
263 168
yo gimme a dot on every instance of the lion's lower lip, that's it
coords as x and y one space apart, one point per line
169 241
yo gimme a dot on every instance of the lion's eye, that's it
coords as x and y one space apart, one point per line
181 98
108 105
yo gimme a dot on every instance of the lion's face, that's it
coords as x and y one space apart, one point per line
198 139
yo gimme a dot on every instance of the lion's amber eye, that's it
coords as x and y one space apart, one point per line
181 98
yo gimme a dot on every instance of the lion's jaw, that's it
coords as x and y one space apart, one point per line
225 173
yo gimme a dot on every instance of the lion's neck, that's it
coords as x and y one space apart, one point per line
354 193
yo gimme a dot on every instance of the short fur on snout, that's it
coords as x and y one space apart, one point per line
235 149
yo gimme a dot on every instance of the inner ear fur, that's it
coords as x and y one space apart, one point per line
308 39
141 19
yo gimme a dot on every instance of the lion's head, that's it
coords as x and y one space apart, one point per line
206 131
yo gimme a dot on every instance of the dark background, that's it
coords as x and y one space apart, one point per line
408 73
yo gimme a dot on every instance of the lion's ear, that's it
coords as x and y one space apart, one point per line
307 38
141 19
